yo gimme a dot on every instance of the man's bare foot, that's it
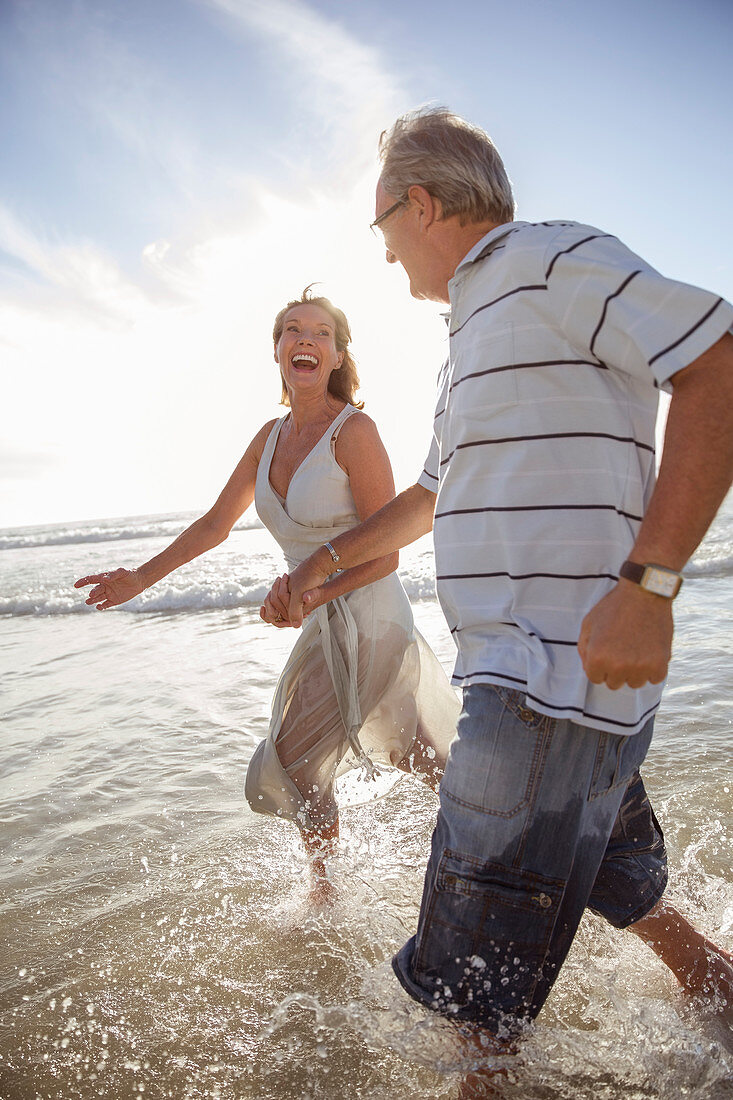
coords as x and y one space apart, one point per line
481 1085
483 1081
712 988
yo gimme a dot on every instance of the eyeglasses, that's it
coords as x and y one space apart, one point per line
390 210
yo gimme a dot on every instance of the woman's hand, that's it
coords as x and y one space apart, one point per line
113 588
275 608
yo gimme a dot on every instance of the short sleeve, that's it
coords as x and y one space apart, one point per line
429 477
611 304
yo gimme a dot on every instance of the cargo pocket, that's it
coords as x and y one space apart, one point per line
498 757
608 767
485 935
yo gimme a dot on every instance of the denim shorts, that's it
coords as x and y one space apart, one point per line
539 818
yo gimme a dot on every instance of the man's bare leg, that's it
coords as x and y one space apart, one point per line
483 1081
703 969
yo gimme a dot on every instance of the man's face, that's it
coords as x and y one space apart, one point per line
406 245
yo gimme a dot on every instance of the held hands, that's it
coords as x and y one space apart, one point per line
627 638
275 608
306 591
111 589
285 594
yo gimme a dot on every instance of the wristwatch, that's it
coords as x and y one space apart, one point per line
655 578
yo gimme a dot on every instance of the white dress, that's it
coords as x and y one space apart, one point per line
361 684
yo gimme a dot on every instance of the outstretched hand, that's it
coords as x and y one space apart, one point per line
627 638
111 589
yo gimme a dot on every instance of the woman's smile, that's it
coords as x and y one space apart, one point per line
307 346
303 360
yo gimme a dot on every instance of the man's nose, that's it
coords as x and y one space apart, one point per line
391 258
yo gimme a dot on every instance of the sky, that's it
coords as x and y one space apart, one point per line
174 171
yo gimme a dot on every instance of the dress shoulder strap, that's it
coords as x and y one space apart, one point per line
270 443
339 422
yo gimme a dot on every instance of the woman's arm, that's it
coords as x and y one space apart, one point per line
203 534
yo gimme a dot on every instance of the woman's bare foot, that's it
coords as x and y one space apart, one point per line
319 844
322 891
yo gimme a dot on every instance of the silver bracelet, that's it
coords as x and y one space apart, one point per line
336 557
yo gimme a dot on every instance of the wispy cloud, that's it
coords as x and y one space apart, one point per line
85 277
153 353
342 81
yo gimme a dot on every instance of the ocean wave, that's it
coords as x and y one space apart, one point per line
714 558
170 598
105 532
180 596
214 589
715 567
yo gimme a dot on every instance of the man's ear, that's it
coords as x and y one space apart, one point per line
430 209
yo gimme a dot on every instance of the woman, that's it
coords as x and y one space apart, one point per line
361 687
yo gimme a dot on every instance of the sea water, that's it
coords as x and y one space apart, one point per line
157 938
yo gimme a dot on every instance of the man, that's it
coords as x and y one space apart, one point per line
557 561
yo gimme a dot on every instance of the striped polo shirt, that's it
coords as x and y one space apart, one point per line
543 451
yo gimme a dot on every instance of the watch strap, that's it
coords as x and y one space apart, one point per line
654 578
632 571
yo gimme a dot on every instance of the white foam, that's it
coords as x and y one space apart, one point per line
145 527
165 597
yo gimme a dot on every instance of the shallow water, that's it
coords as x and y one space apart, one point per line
158 939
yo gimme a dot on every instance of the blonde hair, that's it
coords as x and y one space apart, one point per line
344 382
454 160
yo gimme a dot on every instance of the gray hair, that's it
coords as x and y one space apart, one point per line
455 161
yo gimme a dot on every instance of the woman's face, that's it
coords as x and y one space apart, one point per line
306 351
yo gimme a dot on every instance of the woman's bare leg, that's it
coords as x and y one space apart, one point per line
319 844
704 970
424 761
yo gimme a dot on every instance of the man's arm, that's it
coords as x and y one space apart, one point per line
627 637
398 523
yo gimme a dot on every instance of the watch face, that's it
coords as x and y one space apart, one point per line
660 581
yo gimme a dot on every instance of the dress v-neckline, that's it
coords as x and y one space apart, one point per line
282 500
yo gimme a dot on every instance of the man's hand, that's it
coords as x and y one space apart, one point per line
627 638
306 577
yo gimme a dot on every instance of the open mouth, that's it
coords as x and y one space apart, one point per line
304 362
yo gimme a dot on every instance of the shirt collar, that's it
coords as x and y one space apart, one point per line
487 243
